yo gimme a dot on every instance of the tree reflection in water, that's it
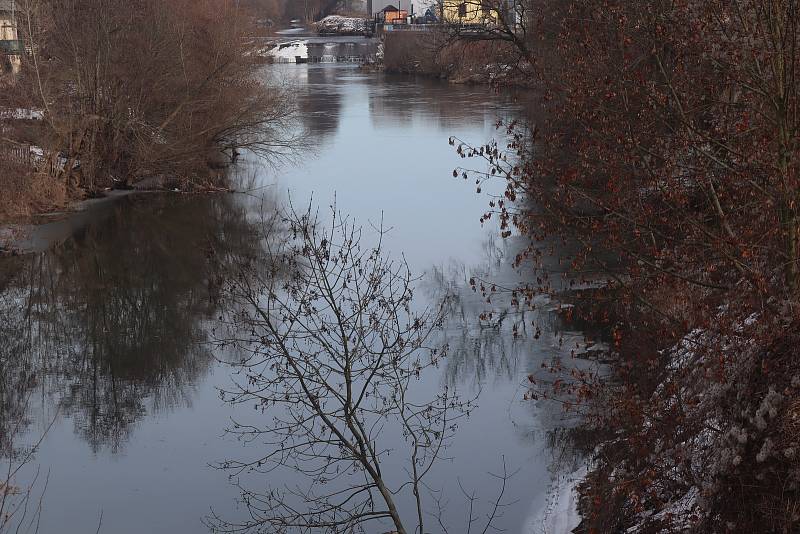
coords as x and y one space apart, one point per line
509 339
488 330
110 325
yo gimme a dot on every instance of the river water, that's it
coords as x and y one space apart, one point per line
105 337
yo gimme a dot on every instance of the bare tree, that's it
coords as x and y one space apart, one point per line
21 493
333 349
20 506
137 90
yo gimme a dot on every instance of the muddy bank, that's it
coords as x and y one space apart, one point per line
42 231
45 230
54 222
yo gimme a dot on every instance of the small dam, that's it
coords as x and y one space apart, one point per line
324 49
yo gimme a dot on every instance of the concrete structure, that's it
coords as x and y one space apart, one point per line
10 45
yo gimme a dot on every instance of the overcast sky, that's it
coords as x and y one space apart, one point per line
419 5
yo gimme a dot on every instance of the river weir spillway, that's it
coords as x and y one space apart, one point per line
324 49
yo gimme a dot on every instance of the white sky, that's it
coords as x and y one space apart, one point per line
419 5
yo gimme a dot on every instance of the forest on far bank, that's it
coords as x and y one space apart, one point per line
282 11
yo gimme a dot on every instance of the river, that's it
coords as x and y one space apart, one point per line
106 334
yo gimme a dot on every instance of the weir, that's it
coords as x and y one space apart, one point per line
324 49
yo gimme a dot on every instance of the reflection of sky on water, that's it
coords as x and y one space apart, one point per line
140 418
389 156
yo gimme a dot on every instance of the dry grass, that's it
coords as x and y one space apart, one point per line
26 192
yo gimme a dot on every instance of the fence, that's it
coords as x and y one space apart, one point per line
16 152
324 59
30 156
411 27
337 59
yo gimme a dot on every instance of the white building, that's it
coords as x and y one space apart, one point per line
10 46
419 5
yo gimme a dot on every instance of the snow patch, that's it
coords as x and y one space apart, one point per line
22 114
336 24
560 514
289 51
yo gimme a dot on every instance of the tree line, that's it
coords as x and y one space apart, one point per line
664 141
142 90
286 10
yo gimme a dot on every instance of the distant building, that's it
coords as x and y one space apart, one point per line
480 11
430 17
378 6
392 15
470 11
10 45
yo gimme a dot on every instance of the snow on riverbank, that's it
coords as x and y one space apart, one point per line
715 449
560 514
22 114
338 25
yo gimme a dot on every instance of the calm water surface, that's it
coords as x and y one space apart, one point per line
106 336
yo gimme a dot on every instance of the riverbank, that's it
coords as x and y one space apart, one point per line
436 54
38 182
43 230
39 231
710 436
639 156
146 111
689 427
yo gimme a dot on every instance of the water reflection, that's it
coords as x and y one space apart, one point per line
16 378
393 101
401 101
110 326
489 323
319 99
